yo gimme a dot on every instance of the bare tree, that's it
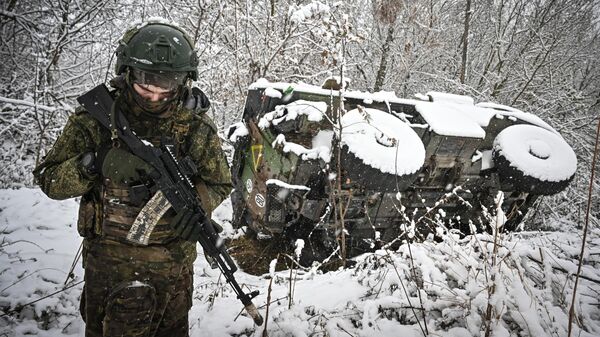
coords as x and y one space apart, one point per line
465 42
539 56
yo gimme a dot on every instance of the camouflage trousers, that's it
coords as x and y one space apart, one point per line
135 291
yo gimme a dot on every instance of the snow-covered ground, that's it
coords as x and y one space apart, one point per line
439 289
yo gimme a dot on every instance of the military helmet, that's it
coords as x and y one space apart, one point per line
157 47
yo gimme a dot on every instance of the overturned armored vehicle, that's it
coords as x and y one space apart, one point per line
384 164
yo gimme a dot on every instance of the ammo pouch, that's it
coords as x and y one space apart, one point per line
120 212
89 212
130 308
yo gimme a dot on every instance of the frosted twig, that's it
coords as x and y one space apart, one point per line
406 293
8 243
30 274
585 230
19 307
264 333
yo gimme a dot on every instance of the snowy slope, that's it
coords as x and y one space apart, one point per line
378 297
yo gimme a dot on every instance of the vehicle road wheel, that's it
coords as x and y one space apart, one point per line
533 159
380 151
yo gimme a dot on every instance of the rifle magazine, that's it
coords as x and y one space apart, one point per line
146 220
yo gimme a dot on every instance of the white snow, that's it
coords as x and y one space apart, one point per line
28 103
422 97
320 152
272 266
455 115
286 185
540 148
382 96
270 92
300 14
147 143
448 114
39 242
314 112
486 158
138 24
260 83
450 119
515 113
321 143
487 161
337 80
299 245
439 97
382 141
533 284
537 152
477 156
239 130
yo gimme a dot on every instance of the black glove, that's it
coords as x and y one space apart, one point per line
187 226
121 166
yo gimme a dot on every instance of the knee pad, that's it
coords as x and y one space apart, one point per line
129 310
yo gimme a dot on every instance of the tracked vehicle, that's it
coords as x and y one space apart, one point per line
389 164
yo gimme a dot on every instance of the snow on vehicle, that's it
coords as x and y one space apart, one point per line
401 161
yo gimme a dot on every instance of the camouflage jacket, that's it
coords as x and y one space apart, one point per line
105 212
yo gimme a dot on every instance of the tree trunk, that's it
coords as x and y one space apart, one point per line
465 42
382 72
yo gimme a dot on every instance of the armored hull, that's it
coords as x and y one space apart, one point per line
390 165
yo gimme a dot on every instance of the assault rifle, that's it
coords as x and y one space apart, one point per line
171 186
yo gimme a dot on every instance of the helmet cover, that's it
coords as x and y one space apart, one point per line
159 48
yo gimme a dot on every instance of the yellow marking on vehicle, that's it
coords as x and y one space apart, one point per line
256 155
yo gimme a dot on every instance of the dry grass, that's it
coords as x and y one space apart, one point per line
253 256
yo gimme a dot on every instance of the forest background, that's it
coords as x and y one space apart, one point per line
539 56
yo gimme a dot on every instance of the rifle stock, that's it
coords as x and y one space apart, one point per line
171 178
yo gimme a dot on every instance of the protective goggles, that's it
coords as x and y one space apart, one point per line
163 79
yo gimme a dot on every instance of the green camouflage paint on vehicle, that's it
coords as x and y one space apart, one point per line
378 208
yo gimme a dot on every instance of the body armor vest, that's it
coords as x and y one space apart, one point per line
119 212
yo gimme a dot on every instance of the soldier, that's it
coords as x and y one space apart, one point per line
131 289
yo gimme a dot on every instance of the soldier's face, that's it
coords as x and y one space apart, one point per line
153 93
